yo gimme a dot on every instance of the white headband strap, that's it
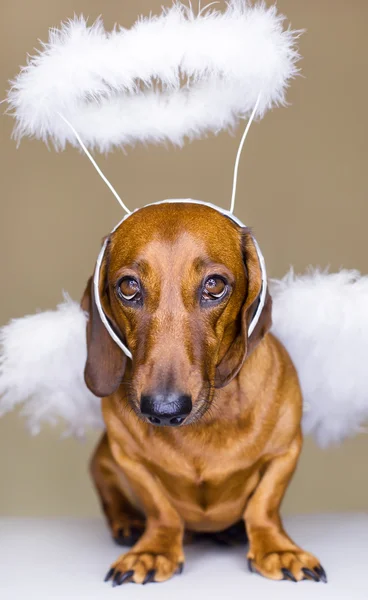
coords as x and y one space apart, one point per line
226 213
114 192
240 150
90 157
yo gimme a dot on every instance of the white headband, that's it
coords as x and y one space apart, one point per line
96 278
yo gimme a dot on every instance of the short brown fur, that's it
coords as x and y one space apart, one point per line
234 456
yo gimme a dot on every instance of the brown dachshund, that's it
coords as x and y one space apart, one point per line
203 426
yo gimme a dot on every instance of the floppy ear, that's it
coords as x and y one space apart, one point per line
242 346
106 362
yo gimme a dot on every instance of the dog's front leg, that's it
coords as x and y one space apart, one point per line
158 554
271 552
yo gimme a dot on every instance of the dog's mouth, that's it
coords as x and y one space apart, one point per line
200 409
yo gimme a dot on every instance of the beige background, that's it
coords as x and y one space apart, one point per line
303 185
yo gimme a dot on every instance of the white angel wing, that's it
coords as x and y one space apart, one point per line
42 360
322 319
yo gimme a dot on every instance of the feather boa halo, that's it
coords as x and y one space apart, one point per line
43 356
173 76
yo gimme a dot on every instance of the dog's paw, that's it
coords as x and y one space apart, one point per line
127 533
288 565
144 567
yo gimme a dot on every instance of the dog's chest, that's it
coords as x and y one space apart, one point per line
208 480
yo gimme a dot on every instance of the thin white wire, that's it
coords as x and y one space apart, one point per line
201 10
103 177
236 168
112 189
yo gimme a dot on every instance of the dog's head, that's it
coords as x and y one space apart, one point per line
180 284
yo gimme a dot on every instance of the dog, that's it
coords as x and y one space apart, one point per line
203 425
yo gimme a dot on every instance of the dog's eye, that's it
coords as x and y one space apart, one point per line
215 288
128 289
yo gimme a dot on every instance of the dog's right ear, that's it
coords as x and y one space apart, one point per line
106 362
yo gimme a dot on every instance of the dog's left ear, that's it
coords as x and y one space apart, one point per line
242 346
106 362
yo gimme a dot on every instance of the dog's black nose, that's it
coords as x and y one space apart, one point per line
166 409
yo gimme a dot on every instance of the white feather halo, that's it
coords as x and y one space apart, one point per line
169 77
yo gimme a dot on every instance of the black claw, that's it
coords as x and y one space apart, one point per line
310 574
180 569
109 574
125 577
116 578
288 575
150 577
250 566
321 573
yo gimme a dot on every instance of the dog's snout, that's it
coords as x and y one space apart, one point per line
166 409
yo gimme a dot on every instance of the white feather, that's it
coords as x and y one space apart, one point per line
172 76
322 319
41 366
